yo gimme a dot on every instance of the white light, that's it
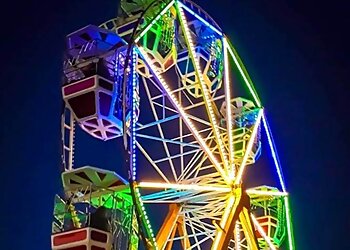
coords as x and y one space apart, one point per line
274 154
229 204
148 27
206 92
183 187
200 18
262 233
182 112
266 193
249 148
231 170
251 88
238 238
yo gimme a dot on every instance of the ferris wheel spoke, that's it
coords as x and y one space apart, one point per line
194 234
217 202
249 148
165 197
238 242
190 164
177 156
154 123
205 91
184 144
243 72
205 179
191 168
183 153
157 17
160 131
201 228
197 165
160 172
229 121
205 19
183 114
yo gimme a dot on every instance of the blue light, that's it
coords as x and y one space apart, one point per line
274 153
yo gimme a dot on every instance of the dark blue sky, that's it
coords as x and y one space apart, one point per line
295 51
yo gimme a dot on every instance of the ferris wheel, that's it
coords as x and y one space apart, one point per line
163 79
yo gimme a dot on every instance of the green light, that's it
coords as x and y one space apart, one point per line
147 28
291 244
237 60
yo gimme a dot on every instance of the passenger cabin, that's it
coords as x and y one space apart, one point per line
270 212
93 81
95 213
244 117
82 239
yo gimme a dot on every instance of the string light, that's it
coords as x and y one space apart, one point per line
133 116
231 170
289 224
245 77
266 193
200 18
281 180
249 147
183 186
238 237
181 111
146 219
204 87
133 120
274 153
148 27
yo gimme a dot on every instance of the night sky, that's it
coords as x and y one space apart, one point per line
295 51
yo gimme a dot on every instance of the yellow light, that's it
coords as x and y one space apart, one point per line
183 187
262 233
231 170
249 148
183 114
205 90
229 205
266 193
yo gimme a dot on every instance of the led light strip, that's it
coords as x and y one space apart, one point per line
148 27
183 186
204 87
231 170
237 237
133 149
249 147
274 153
183 114
245 78
289 224
229 204
266 193
281 180
262 232
133 117
200 18
145 218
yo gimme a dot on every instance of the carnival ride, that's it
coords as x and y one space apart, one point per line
164 79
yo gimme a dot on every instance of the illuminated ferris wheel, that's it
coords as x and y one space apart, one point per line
163 79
